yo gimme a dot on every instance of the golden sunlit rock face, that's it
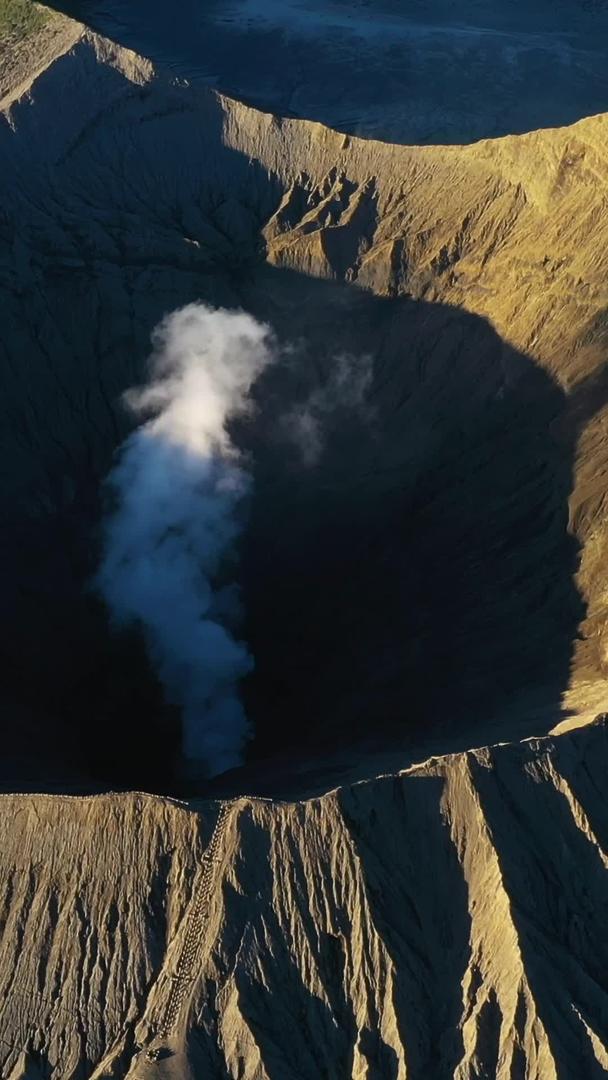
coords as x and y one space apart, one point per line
407 878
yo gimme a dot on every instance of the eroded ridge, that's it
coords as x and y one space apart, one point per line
185 968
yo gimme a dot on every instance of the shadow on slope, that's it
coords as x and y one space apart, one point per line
558 928
268 955
417 575
401 839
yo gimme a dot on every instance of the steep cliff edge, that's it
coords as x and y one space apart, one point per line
444 921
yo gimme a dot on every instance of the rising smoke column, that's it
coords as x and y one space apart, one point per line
179 483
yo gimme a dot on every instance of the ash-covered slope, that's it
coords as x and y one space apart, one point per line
448 921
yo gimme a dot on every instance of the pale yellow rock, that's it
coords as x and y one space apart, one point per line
22 61
446 921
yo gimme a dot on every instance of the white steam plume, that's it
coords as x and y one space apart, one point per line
179 483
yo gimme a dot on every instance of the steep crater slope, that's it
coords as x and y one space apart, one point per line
421 574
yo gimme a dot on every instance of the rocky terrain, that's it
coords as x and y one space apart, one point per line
430 573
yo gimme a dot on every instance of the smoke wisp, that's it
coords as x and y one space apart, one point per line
343 390
179 484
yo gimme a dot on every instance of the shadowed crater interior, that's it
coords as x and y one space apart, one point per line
419 571
412 572
405 567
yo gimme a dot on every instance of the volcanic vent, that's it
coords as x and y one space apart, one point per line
406 563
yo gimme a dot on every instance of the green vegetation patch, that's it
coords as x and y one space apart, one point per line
19 18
